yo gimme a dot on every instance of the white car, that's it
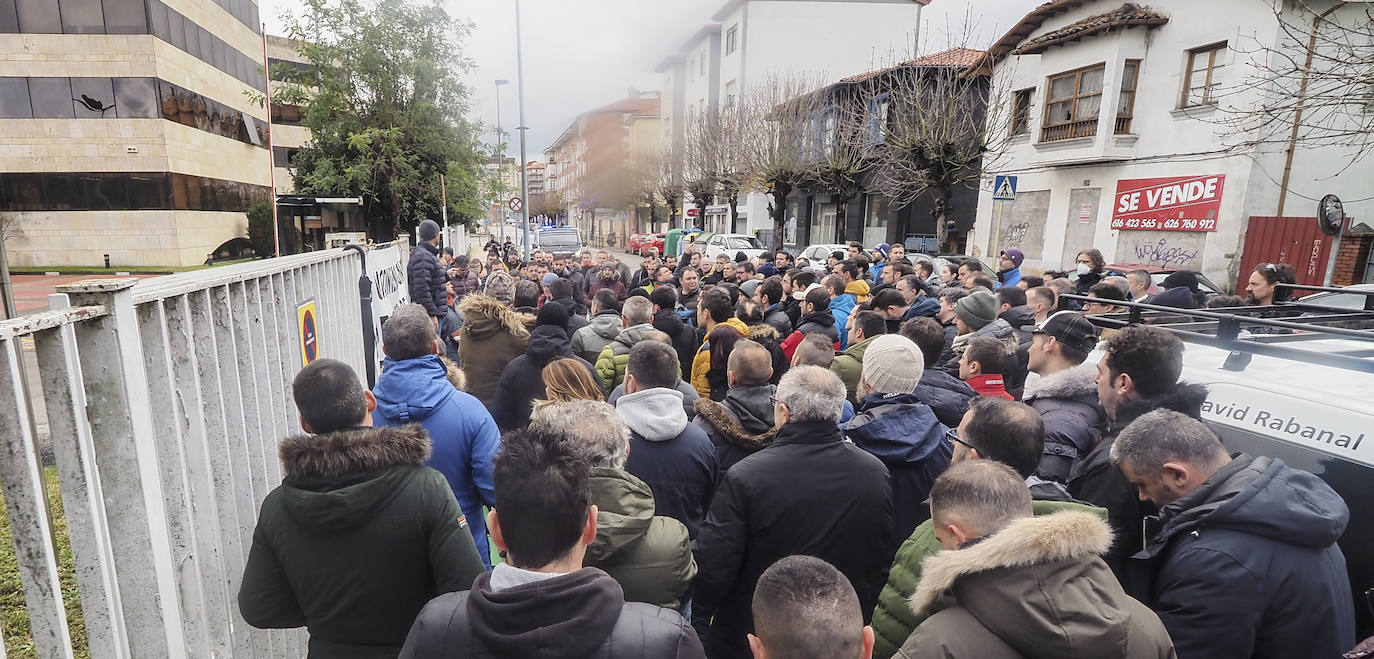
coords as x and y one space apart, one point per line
1341 300
731 244
819 253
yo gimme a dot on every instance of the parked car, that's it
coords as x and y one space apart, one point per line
1158 274
731 244
633 243
562 241
1354 300
1309 403
818 253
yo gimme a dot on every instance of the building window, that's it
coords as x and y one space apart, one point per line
732 39
1125 109
1200 81
1020 111
877 117
703 64
731 91
1072 104
52 97
14 99
876 211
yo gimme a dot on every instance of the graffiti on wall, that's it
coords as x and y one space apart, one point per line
1163 254
1015 235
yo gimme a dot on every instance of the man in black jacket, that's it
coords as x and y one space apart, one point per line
541 602
742 424
769 297
1066 393
947 395
809 493
425 276
1242 559
327 553
1138 374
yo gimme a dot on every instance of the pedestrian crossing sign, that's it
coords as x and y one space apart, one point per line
1004 188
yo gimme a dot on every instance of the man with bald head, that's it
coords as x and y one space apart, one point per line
743 422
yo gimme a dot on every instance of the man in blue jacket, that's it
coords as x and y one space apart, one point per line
413 388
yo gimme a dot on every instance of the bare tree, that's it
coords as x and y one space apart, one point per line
703 146
670 186
943 130
1313 86
779 148
849 125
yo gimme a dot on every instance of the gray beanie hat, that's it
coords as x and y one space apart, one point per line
429 230
893 365
977 310
501 287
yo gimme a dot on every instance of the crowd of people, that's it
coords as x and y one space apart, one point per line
772 458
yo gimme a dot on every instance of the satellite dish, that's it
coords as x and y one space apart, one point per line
1331 215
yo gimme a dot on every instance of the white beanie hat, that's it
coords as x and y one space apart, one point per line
893 365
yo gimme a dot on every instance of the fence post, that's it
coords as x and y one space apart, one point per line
120 415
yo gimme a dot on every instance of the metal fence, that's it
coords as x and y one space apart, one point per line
165 400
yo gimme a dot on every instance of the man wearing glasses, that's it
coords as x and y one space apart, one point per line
993 429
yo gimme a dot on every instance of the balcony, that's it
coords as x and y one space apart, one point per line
1068 131
1123 126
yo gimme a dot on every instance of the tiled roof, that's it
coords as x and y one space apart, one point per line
960 58
1127 15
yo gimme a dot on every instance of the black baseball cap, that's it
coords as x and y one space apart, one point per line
1069 328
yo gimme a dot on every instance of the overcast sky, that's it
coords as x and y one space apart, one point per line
581 54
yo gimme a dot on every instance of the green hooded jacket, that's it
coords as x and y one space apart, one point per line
615 357
893 619
849 365
650 556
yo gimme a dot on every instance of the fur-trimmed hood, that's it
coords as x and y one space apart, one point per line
348 451
1037 588
1075 382
753 430
485 316
764 332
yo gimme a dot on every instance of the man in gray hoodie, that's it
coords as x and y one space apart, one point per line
605 324
672 456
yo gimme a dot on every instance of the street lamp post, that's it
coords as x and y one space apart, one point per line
524 178
501 160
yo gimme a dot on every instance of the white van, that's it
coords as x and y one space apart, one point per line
1312 407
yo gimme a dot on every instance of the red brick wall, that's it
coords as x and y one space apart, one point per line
1351 259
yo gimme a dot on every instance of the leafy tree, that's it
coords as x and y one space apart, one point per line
386 109
260 230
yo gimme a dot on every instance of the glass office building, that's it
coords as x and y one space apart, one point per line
129 129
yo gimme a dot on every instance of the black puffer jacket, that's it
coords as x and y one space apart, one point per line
1099 482
329 555
522 382
579 615
684 338
1247 565
1018 317
426 279
947 395
809 493
1067 403
740 425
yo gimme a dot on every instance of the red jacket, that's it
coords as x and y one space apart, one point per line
989 385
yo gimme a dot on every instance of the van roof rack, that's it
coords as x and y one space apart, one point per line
1284 330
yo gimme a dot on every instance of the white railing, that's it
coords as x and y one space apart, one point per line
165 400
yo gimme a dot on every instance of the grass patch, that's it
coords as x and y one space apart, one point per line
14 617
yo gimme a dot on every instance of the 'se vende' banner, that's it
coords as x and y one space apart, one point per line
1179 203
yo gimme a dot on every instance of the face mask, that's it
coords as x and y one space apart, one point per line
1084 269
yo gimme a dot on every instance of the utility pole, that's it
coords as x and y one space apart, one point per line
524 179
501 159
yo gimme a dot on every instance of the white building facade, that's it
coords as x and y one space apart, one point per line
1119 139
747 42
